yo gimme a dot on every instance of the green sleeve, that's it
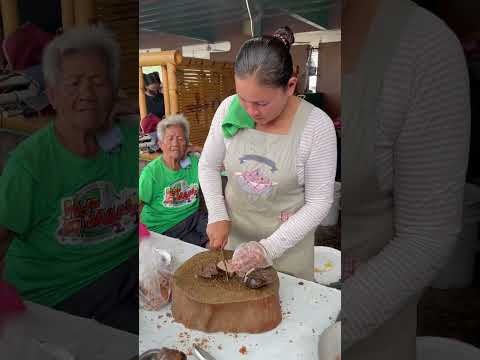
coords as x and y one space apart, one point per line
145 187
16 194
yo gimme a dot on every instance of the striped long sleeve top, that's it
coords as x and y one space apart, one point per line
316 160
421 158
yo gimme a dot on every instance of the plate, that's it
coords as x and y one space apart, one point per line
327 265
438 348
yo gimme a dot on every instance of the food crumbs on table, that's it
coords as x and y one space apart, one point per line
301 283
243 350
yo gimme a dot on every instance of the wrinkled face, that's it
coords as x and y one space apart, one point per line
83 95
263 103
174 145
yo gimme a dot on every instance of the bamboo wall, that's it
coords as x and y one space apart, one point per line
121 17
194 87
202 85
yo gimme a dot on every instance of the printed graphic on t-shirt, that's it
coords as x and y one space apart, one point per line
180 194
97 213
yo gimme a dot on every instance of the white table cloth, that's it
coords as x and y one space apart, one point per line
308 308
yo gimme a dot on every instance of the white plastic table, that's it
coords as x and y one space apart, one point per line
308 308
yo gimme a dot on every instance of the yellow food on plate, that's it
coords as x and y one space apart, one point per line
326 267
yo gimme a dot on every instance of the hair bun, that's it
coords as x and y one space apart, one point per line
285 35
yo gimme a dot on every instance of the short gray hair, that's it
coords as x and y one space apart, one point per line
173 120
91 37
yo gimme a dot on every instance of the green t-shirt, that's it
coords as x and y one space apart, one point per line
75 218
169 196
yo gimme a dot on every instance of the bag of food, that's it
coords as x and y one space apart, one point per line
155 276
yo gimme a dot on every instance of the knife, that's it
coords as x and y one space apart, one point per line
201 354
222 254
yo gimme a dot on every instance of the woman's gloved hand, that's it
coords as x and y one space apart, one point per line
248 256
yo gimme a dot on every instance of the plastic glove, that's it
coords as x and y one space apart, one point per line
248 256
329 344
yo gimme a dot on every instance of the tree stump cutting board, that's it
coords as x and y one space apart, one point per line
213 305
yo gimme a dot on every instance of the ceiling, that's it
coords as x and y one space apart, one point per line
205 20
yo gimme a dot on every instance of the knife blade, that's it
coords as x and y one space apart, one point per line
201 354
222 254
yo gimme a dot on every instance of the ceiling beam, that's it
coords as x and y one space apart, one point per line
307 4
194 17
307 21
167 4
205 22
193 11
181 27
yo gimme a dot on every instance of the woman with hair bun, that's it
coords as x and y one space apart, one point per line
279 154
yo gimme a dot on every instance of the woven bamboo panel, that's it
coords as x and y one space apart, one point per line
202 85
121 17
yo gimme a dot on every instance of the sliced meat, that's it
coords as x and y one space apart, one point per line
258 278
208 271
221 266
170 354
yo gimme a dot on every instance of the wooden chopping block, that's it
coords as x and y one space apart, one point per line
212 305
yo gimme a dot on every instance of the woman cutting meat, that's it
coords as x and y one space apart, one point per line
279 154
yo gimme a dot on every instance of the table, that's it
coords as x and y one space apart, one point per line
83 339
308 308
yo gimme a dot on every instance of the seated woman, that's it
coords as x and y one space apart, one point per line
68 209
169 189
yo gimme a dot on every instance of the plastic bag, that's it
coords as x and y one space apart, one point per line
155 278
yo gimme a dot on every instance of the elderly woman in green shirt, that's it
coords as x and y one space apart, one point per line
169 190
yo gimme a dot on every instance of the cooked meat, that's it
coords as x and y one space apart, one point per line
221 266
258 278
170 354
208 271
